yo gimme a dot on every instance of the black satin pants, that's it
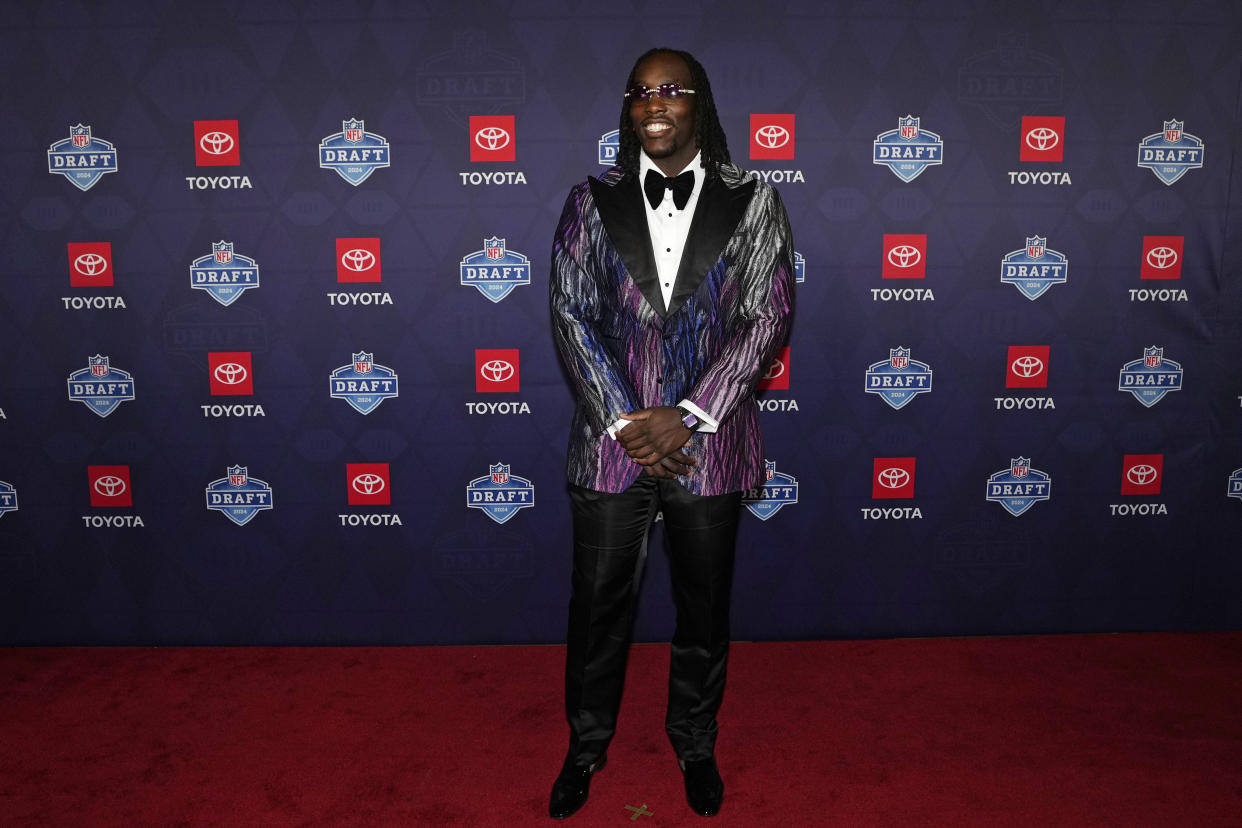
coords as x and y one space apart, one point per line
610 547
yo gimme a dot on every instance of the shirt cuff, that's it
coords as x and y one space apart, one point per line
707 423
617 426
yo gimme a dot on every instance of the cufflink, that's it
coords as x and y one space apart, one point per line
688 419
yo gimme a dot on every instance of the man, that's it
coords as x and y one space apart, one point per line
672 291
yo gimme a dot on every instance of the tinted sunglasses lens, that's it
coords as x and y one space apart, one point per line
670 90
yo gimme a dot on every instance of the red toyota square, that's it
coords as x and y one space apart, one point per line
1141 474
493 138
358 260
905 256
1043 138
1162 257
772 137
368 484
892 478
90 264
497 370
1026 366
231 373
777 377
216 144
109 486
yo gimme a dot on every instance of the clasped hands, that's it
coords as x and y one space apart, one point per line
654 439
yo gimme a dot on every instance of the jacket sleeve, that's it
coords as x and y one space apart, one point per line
765 268
579 303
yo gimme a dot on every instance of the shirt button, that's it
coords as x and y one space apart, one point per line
668 250
666 284
670 215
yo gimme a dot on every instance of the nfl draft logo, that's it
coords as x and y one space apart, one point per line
609 144
1235 486
908 150
100 387
353 152
500 494
494 270
363 383
1019 487
81 158
898 379
224 274
239 497
1169 154
8 498
799 268
1151 377
1035 268
778 491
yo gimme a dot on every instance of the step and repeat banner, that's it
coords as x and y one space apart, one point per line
275 356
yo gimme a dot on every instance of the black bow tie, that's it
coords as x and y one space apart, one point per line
655 185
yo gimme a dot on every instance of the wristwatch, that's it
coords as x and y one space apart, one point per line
688 418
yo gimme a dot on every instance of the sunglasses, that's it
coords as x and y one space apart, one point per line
667 91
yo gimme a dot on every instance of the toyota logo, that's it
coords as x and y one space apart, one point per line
904 255
893 478
1042 138
492 138
1162 258
368 484
358 259
776 369
1028 366
771 136
90 264
110 485
1142 474
230 373
496 370
216 143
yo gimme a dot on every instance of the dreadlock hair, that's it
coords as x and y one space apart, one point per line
708 133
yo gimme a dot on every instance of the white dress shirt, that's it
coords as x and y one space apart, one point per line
669 228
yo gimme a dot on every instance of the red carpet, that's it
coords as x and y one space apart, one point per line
1062 730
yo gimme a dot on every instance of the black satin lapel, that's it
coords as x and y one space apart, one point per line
719 210
620 208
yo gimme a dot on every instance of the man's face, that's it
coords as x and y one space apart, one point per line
665 126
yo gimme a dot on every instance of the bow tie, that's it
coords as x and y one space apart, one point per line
655 185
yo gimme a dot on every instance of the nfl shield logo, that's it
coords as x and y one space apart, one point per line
99 366
1035 247
223 252
1020 467
1172 131
81 136
1152 357
352 131
237 476
363 362
899 361
495 248
909 128
769 469
500 474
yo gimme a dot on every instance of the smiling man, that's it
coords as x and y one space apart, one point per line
672 290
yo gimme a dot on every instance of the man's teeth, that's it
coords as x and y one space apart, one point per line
656 127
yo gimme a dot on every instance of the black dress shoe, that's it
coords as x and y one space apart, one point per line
570 790
704 787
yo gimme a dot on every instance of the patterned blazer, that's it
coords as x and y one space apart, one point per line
730 314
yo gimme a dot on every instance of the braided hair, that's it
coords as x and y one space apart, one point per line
708 133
